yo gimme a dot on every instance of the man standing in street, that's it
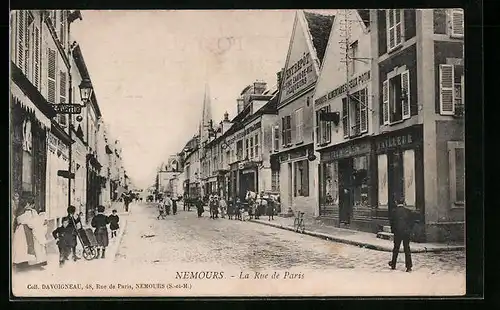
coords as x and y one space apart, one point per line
168 203
401 226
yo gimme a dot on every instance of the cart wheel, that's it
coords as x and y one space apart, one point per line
89 253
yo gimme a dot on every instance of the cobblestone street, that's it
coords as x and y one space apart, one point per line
160 251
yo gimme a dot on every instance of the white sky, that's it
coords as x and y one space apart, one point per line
149 69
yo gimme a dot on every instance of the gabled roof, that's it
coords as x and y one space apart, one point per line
319 27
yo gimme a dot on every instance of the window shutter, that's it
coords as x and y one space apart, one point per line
385 103
457 23
405 89
283 131
364 110
462 81
61 27
446 92
328 126
36 58
398 27
62 86
293 128
390 33
20 39
345 117
28 19
51 76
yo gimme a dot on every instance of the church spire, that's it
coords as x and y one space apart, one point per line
206 116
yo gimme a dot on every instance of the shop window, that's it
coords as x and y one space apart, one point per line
360 181
251 148
355 114
301 184
396 98
256 146
27 177
330 195
456 157
394 28
451 89
299 125
247 148
286 130
323 128
275 180
383 191
409 177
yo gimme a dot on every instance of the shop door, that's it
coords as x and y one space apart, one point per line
247 183
345 194
395 180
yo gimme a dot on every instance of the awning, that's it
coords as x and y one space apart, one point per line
27 104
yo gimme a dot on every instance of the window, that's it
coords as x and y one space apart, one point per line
352 54
301 173
25 32
324 128
299 125
239 150
456 157
51 76
383 191
451 89
409 177
394 29
396 98
251 147
286 135
275 180
457 23
276 138
360 181
256 145
355 113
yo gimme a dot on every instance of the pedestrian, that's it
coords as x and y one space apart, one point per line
75 222
168 203
401 226
100 222
114 219
174 206
199 206
270 209
223 207
65 237
161 210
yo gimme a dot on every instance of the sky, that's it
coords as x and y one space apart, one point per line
149 70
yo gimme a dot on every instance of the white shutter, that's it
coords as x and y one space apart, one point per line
36 58
390 29
409 177
462 81
20 38
283 131
328 127
405 89
457 23
383 192
364 110
398 27
385 101
446 91
28 18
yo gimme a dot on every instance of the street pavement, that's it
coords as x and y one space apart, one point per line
157 250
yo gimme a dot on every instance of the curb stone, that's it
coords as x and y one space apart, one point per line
360 243
119 240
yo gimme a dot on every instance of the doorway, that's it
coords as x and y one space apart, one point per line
395 180
247 182
290 184
345 194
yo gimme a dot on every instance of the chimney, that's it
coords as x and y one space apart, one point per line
226 117
259 87
241 104
279 76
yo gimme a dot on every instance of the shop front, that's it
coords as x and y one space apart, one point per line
346 184
248 178
93 186
400 175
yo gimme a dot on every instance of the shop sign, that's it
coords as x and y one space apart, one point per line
359 80
252 128
399 139
346 151
236 136
298 76
298 154
283 157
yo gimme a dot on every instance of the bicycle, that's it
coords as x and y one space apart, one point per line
298 223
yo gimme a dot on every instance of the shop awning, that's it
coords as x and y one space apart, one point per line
19 97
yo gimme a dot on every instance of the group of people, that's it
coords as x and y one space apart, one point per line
164 206
71 227
256 206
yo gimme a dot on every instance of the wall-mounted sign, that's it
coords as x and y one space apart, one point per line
359 80
252 128
298 76
346 151
405 138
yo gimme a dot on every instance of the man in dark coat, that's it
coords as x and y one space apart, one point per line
76 224
401 226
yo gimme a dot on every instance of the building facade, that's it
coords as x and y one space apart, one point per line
191 168
344 110
296 155
418 69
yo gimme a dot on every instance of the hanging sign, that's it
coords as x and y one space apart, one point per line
67 108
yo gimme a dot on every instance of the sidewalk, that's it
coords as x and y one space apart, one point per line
318 229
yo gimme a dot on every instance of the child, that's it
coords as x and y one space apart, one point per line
161 211
65 237
99 222
113 223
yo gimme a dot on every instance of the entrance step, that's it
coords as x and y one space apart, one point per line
385 235
386 229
